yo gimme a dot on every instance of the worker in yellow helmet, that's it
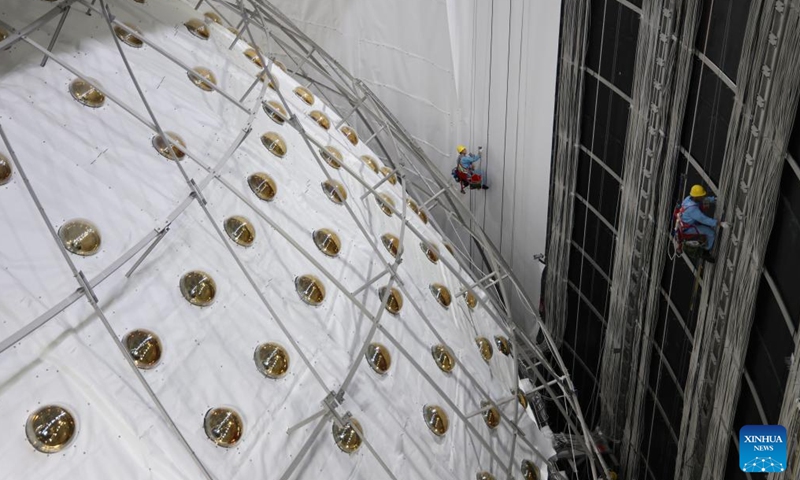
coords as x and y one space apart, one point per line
464 169
692 223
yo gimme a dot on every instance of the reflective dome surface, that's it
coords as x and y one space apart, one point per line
395 301
420 213
253 56
5 169
334 190
443 358
386 171
523 400
144 347
263 77
162 147
304 95
263 186
213 17
198 74
274 143
275 111
378 358
272 360
436 419
131 39
502 345
198 288
484 476
80 237
471 301
430 251
391 243
223 426
529 470
491 416
310 289
449 248
332 156
197 28
279 64
327 242
485 348
370 162
351 134
386 202
321 119
50 429
441 294
346 437
86 93
413 206
240 230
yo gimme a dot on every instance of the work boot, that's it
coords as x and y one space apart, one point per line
708 257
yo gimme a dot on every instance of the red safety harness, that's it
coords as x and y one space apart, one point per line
686 234
466 176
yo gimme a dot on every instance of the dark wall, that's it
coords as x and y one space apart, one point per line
607 86
777 313
608 80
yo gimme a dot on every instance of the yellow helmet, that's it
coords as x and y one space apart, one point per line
461 149
697 191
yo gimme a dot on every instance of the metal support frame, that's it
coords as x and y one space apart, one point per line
381 182
371 281
723 321
173 58
375 134
490 405
407 160
351 112
367 186
85 288
55 34
305 59
17 36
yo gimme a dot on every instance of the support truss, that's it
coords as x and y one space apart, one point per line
261 24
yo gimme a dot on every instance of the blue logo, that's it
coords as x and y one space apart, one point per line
762 448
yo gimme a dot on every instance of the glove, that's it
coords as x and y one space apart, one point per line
724 224
480 148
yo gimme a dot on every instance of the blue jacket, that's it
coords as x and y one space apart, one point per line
465 161
693 213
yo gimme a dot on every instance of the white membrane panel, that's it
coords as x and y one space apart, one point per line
98 164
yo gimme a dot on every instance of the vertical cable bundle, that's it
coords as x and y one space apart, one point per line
642 152
760 127
574 26
685 36
661 80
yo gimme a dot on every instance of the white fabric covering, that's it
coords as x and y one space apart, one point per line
473 72
98 164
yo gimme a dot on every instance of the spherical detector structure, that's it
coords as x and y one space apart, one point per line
272 239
